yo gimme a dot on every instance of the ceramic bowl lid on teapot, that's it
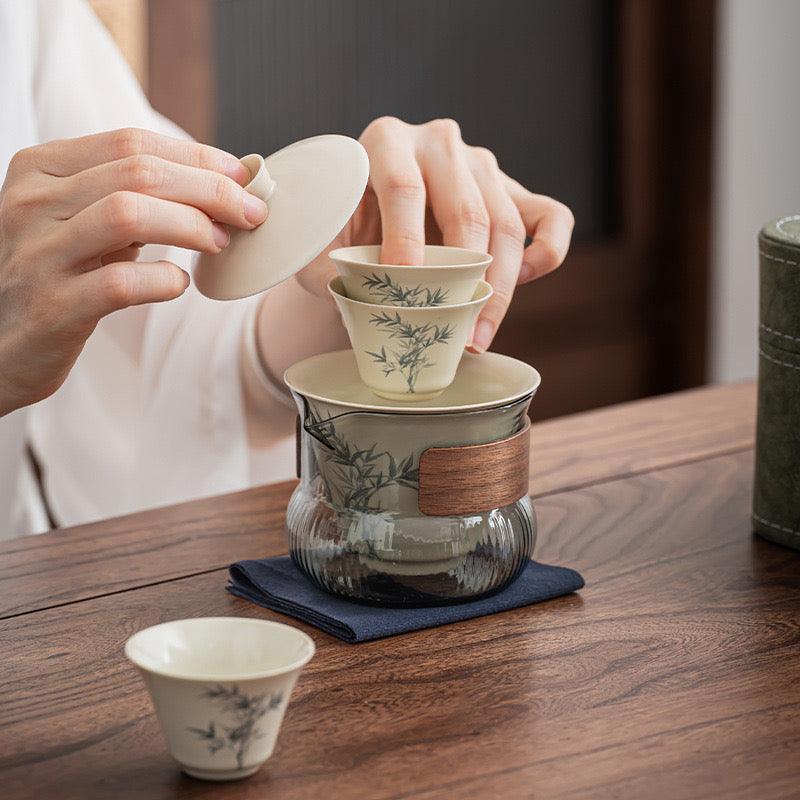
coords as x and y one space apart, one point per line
311 188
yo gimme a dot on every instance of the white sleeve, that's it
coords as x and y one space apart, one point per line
82 84
152 412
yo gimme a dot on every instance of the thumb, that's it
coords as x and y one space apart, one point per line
127 283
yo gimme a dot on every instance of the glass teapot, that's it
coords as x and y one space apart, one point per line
412 505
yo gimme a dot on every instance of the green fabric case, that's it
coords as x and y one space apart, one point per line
776 491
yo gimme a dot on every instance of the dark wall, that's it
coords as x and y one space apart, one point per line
530 79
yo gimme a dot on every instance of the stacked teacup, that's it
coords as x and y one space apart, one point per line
409 325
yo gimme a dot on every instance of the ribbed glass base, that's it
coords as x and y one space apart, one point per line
394 560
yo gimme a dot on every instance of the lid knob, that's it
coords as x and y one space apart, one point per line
261 184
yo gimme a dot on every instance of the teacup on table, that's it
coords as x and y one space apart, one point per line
220 687
448 276
412 352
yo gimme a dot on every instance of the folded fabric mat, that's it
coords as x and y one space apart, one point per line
276 583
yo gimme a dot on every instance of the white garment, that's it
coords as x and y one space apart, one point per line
152 412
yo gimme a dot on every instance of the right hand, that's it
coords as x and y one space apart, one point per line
73 215
426 185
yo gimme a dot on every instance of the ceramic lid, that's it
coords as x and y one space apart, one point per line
482 381
312 188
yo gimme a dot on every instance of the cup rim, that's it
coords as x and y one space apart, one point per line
470 258
483 287
310 379
145 664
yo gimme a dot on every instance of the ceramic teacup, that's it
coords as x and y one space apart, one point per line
220 687
409 353
448 276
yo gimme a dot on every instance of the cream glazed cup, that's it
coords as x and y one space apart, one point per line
447 276
220 687
408 353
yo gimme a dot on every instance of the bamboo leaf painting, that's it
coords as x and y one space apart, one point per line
392 293
361 474
411 356
240 713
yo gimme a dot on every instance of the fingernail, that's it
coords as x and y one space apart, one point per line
255 209
482 337
221 235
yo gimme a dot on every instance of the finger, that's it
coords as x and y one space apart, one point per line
124 283
216 195
456 200
506 244
130 253
64 157
397 181
365 224
117 220
549 224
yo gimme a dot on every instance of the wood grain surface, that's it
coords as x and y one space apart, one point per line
141 549
576 450
644 434
675 672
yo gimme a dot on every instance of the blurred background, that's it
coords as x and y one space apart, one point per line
670 128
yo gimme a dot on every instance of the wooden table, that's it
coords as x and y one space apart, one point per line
675 672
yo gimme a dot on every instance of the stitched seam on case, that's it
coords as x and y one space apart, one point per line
778 333
779 260
774 525
778 361
780 222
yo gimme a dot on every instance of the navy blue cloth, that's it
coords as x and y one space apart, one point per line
276 583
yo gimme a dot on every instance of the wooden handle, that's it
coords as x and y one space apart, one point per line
454 481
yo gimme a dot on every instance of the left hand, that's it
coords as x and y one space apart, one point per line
427 185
